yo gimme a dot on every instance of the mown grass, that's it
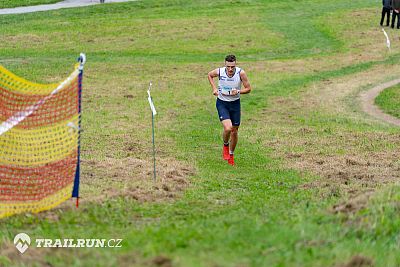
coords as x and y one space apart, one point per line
256 214
17 3
389 101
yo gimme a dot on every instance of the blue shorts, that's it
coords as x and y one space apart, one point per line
229 111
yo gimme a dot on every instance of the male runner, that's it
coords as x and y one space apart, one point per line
230 80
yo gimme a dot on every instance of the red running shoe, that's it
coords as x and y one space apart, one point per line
231 161
225 153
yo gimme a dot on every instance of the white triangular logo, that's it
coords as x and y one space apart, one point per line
22 242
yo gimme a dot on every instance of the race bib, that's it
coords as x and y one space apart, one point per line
226 90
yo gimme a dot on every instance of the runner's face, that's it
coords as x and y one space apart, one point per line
230 67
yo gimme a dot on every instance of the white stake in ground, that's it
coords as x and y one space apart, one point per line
387 39
153 113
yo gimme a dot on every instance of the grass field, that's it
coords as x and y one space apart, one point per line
17 3
389 100
316 179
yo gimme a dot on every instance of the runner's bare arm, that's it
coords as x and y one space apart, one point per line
211 75
246 83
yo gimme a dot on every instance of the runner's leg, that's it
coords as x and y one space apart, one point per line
234 113
227 124
234 138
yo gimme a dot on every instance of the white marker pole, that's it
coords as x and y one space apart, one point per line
153 113
387 39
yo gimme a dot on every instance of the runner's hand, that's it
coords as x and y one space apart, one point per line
215 92
235 91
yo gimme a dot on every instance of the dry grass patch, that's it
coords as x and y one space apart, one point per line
30 257
351 163
339 96
346 161
22 40
361 28
132 177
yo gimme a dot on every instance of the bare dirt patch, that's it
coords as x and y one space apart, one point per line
359 261
162 261
353 205
134 259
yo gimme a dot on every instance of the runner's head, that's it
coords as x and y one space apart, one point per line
230 64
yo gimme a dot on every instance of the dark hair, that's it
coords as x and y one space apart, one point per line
230 58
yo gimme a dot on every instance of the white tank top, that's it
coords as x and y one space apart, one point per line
226 84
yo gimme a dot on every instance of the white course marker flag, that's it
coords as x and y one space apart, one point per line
387 38
153 109
153 113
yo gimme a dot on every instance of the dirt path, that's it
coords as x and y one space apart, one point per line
368 106
60 5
